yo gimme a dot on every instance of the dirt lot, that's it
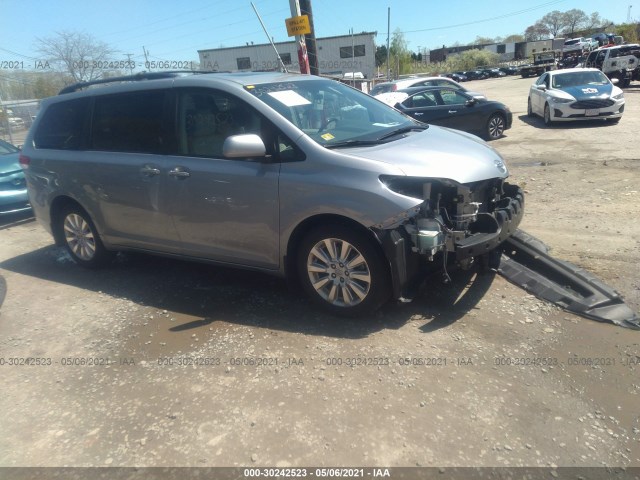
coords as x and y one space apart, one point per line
154 362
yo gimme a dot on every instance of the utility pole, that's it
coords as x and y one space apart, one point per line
310 38
303 57
129 55
353 60
4 109
146 58
629 14
388 43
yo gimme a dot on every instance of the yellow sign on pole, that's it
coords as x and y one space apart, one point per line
298 25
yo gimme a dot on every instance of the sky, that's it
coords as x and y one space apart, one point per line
176 30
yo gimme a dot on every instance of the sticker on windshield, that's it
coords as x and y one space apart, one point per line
327 136
290 98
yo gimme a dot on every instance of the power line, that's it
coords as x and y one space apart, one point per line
475 22
173 17
18 54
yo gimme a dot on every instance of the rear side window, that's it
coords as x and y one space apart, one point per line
62 126
420 100
452 97
131 122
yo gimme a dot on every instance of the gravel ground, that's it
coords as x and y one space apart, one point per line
156 362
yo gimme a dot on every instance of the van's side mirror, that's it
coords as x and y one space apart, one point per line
615 81
244 146
471 102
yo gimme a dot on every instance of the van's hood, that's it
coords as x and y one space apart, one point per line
439 153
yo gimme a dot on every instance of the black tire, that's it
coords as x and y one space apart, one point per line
547 116
529 109
81 238
343 271
496 126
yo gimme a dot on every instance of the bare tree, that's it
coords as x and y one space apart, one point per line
537 31
554 22
79 54
574 19
595 22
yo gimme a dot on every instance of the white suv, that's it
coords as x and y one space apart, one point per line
621 62
580 44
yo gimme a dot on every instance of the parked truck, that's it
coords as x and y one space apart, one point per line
542 62
619 61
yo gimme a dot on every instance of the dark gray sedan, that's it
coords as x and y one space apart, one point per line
455 109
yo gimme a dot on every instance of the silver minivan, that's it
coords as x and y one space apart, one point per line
295 175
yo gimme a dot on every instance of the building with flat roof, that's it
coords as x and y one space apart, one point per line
343 55
507 51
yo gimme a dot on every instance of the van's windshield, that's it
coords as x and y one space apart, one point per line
332 113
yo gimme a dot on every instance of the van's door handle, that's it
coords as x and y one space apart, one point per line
149 171
179 172
418 114
453 111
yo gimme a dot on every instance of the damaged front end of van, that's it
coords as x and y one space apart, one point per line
452 222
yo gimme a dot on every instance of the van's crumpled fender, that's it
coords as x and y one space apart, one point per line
527 263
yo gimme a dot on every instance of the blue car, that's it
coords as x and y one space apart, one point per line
13 188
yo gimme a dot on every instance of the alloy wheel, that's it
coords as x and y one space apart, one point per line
338 272
79 237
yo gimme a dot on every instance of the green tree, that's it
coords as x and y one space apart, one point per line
381 56
484 40
630 32
48 85
469 60
513 38
399 53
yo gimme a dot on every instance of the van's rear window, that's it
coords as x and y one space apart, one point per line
62 126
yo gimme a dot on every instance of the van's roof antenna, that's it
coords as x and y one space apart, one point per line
284 69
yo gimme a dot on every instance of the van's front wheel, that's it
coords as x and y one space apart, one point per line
343 271
81 238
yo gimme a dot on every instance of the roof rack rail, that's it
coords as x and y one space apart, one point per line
129 78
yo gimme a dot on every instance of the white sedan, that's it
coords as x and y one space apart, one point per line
575 94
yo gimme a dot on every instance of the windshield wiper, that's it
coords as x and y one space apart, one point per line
353 143
400 131
377 141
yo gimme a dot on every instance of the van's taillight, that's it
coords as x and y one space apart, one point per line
24 161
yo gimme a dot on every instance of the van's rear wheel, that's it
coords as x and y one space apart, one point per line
343 271
81 238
